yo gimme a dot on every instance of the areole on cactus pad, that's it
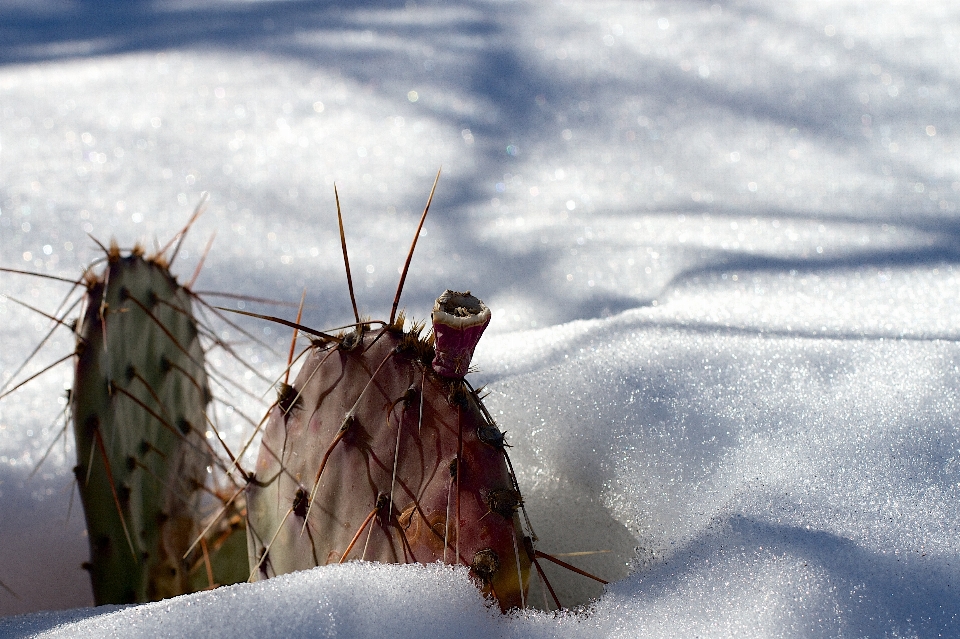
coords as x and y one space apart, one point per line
381 450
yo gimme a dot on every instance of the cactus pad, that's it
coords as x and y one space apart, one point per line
139 408
381 451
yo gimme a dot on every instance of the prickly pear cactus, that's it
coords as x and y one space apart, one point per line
139 403
381 451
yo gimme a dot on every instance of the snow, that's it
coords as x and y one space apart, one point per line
719 242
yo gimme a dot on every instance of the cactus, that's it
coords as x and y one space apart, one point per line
139 412
374 454
381 450
139 409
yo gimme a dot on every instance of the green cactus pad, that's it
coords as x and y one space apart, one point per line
139 408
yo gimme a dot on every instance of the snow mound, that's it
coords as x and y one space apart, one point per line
356 599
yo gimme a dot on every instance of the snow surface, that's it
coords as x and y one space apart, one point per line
720 242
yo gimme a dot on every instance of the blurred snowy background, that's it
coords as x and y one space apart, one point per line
720 241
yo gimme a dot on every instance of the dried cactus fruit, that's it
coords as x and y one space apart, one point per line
459 320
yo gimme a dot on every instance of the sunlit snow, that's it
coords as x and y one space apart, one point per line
719 240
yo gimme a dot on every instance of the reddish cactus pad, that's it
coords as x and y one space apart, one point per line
372 454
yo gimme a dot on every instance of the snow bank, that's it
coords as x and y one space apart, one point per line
719 242
350 600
